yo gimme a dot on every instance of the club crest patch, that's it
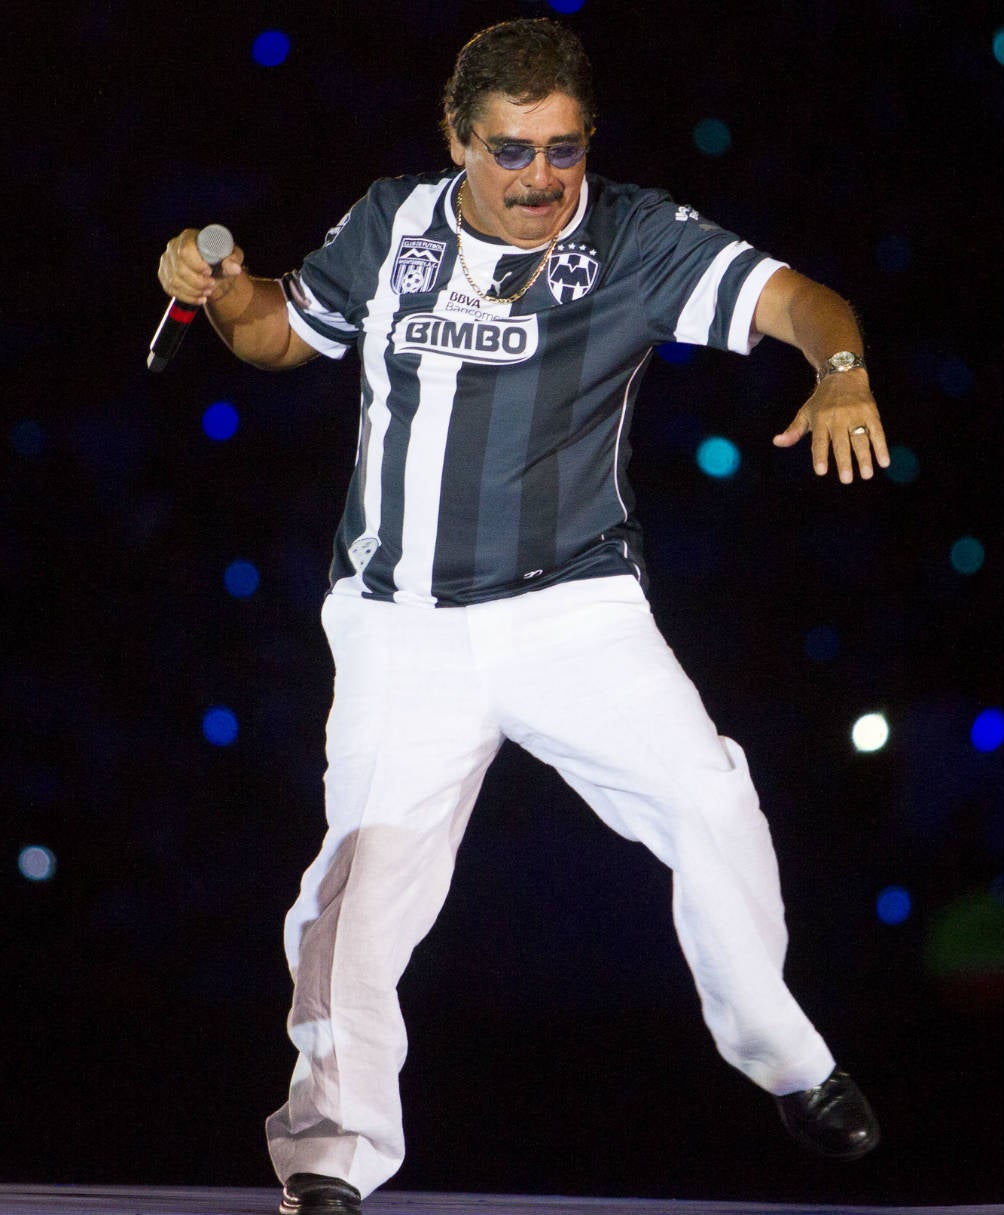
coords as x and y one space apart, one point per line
572 270
416 264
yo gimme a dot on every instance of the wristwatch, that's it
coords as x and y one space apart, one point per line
843 360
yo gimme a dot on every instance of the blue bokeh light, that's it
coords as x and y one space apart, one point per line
566 6
967 555
718 457
987 732
241 579
998 45
904 466
712 137
219 725
893 905
270 48
822 643
677 353
220 421
27 438
36 863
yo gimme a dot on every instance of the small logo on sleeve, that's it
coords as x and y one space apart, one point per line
333 233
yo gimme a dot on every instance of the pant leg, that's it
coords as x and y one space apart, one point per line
594 690
409 740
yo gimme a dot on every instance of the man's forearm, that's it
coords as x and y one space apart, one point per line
808 315
252 320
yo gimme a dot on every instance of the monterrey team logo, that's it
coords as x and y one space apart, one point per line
416 265
572 270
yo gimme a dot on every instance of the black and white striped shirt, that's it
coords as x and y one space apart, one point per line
493 442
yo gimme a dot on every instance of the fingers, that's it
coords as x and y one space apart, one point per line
843 418
879 446
232 265
858 443
843 456
821 451
798 429
853 445
184 273
861 449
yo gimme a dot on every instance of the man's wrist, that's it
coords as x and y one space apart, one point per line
839 364
231 296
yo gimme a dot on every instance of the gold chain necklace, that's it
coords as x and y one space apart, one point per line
498 299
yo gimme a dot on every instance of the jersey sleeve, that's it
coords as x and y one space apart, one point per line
319 294
700 283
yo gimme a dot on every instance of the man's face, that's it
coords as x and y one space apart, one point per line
524 207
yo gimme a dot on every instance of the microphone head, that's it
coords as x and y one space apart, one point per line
215 243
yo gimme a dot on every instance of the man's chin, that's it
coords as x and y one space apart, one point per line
534 224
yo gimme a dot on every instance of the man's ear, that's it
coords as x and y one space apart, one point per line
458 151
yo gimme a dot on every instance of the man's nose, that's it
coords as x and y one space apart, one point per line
538 172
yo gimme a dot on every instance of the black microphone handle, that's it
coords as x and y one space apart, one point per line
214 243
172 328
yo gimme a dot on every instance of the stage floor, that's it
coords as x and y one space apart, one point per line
156 1200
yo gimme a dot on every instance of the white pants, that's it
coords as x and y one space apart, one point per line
579 675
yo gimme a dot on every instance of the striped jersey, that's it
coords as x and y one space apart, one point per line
493 440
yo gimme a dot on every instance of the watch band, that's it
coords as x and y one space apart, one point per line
843 360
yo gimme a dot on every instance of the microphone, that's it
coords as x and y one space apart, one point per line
214 244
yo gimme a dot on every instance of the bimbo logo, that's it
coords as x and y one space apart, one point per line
507 340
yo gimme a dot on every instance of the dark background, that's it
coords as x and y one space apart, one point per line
556 1040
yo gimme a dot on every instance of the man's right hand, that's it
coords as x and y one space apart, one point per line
187 276
248 313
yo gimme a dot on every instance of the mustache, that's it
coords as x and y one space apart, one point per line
535 198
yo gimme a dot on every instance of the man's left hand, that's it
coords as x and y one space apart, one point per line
841 414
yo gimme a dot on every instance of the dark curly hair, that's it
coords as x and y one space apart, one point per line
526 60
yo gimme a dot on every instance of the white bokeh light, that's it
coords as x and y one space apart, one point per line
870 732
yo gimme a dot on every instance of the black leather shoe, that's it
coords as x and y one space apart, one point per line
833 1119
312 1194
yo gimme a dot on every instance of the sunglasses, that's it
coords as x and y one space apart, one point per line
511 155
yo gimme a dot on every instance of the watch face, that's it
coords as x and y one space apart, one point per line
843 360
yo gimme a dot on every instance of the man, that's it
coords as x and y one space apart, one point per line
504 313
